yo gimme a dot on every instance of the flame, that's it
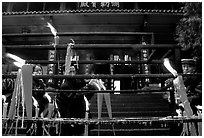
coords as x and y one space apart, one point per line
52 29
95 83
4 98
35 102
18 64
87 103
16 58
101 83
169 67
72 41
46 95
199 107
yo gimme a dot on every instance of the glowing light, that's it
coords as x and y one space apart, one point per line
101 83
18 64
169 67
199 107
52 29
48 97
4 98
87 103
35 102
16 58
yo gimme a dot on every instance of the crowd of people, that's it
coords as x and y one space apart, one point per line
76 103
70 104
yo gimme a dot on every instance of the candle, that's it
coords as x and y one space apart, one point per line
86 115
50 110
126 58
5 106
36 112
56 38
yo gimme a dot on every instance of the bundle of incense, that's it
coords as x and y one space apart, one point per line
68 57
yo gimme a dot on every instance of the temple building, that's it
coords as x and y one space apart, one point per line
122 44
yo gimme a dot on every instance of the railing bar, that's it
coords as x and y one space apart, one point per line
109 121
105 76
75 33
97 91
95 46
94 62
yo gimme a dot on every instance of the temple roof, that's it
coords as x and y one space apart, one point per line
106 11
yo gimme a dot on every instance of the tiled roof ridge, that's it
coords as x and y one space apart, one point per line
139 11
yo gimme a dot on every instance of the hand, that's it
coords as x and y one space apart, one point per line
169 81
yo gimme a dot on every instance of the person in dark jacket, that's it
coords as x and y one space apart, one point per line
39 84
39 101
72 105
192 83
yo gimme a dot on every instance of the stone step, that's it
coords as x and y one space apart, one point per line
133 114
130 132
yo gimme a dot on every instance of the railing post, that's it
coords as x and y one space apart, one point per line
177 59
177 63
172 103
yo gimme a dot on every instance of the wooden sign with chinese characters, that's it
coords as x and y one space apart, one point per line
145 54
51 57
99 5
51 67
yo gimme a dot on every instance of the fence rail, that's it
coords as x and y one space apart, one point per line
95 46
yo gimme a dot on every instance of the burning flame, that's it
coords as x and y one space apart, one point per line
19 62
35 102
48 97
169 67
16 58
72 41
87 103
199 107
52 29
4 98
101 83
95 82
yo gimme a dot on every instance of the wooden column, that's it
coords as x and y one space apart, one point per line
178 68
177 59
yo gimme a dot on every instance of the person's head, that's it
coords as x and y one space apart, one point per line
37 70
89 71
188 66
72 70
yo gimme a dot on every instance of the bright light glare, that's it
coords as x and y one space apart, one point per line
169 67
18 64
35 102
3 98
86 103
52 29
16 58
46 95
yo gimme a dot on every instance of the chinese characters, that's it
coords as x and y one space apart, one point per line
99 5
